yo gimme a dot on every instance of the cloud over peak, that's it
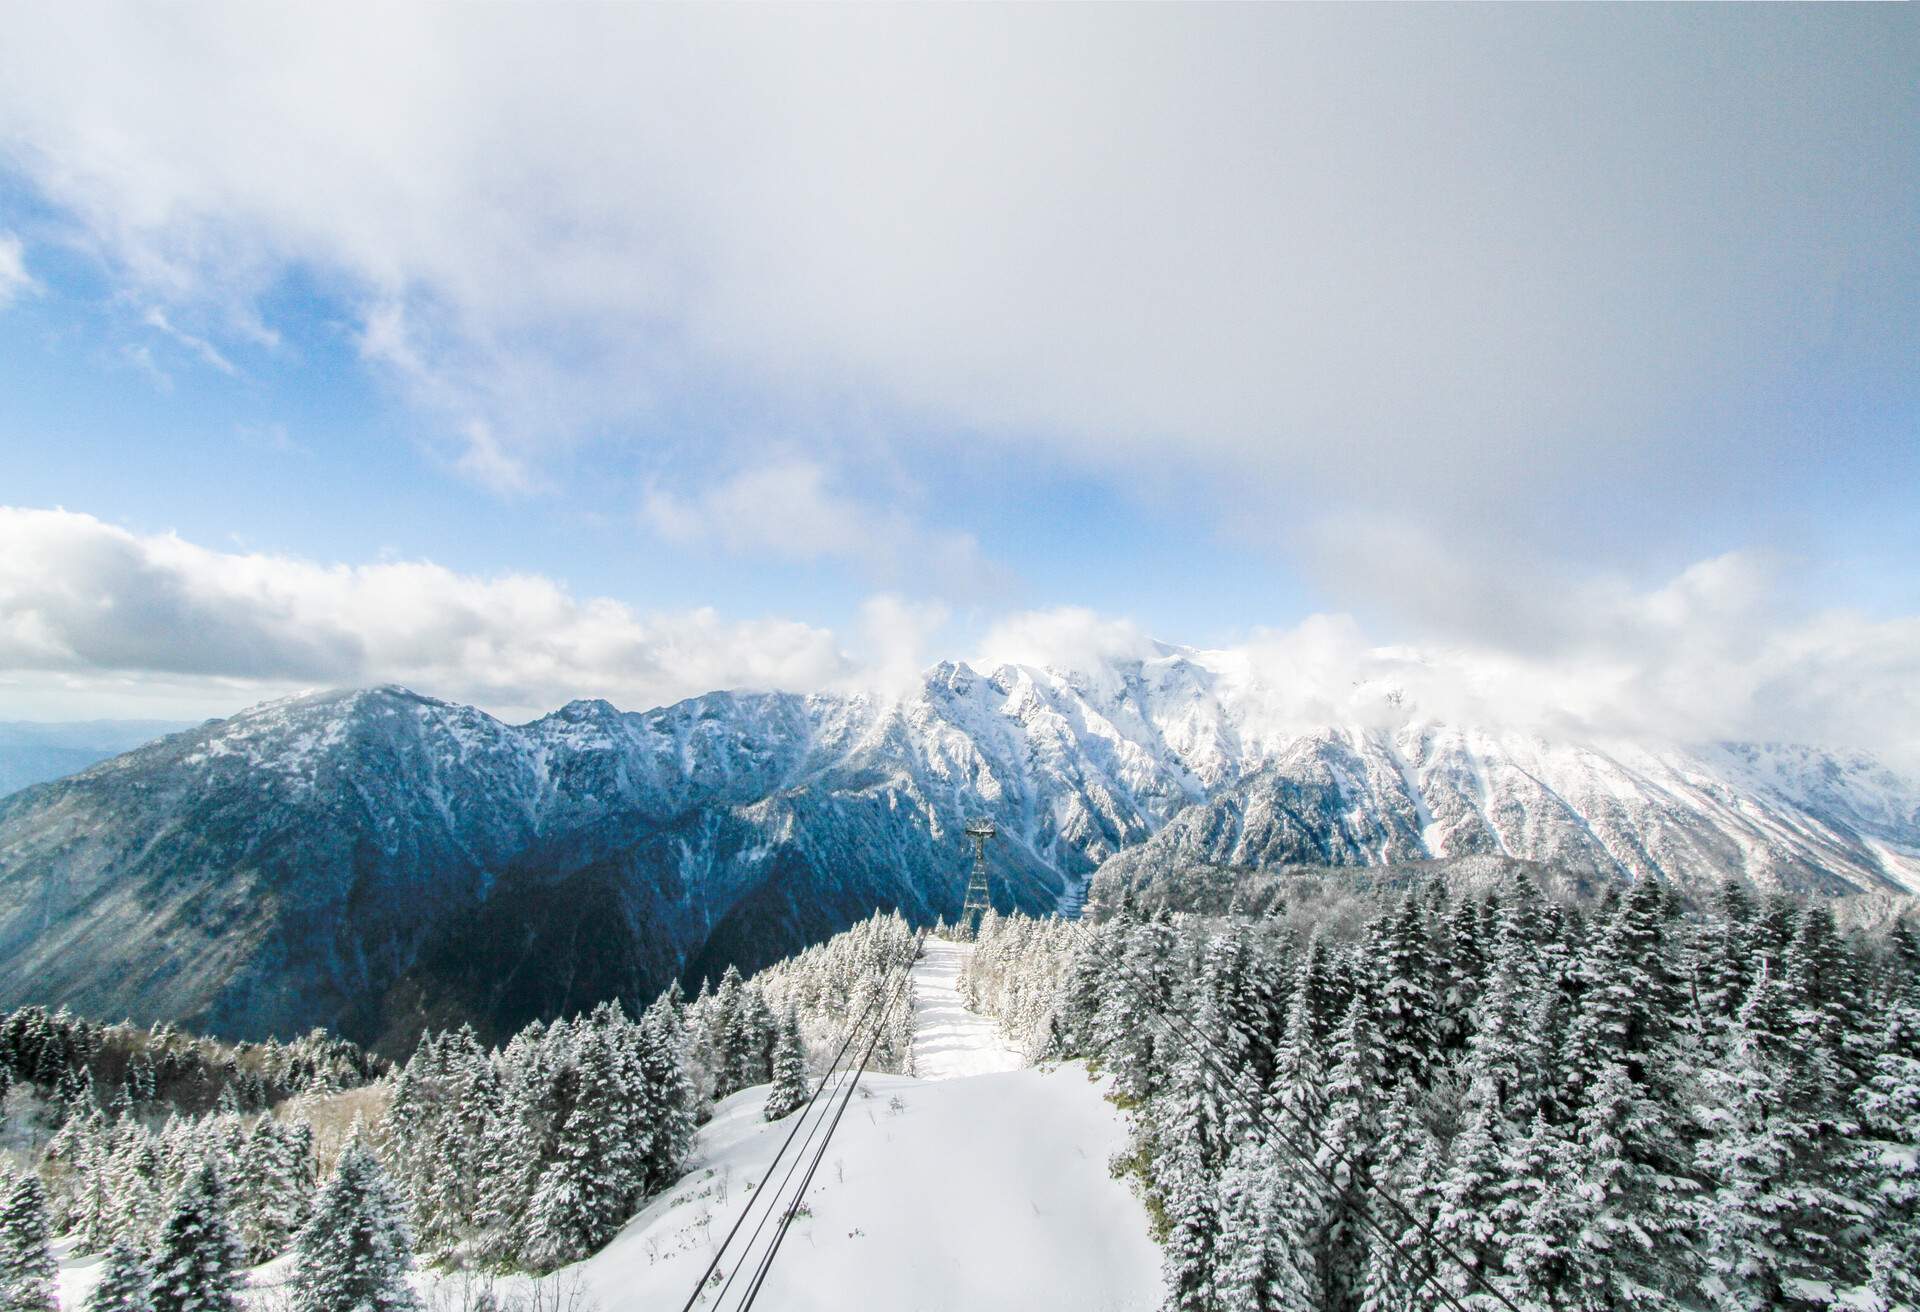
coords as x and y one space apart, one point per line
157 624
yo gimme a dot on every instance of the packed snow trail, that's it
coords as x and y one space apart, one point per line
948 1040
975 1185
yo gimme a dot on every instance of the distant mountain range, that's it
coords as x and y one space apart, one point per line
374 859
32 752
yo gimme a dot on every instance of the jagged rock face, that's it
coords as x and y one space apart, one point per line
1783 818
368 860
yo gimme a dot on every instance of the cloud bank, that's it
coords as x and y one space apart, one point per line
91 608
1504 268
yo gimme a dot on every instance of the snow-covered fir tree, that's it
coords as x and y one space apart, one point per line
126 1282
790 1084
27 1270
354 1253
198 1260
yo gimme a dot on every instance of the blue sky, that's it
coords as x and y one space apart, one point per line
1480 327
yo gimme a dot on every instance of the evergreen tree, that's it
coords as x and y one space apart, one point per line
1406 997
582 1194
1256 1274
126 1285
1191 1255
667 1096
1888 1157
354 1254
27 1270
1769 1216
790 1083
1347 1152
198 1260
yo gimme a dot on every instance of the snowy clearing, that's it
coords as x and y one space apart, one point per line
948 1040
976 1185
990 1192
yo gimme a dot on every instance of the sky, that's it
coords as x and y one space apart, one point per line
525 353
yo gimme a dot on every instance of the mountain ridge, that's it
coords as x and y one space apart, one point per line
374 859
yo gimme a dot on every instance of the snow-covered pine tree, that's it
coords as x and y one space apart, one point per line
1348 1147
581 1196
508 1165
1888 1154
139 1190
1192 1204
126 1284
1256 1274
198 1260
790 1084
354 1253
27 1270
1629 1244
1769 1215
667 1096
1405 996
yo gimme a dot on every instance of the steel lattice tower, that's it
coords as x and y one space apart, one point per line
977 904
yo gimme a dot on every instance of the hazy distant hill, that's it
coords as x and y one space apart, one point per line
33 752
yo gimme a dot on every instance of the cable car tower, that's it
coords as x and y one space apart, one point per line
976 906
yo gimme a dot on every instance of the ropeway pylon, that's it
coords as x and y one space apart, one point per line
977 905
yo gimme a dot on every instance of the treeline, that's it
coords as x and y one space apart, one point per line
1016 973
1642 1106
830 984
177 1202
78 1065
183 1161
533 1154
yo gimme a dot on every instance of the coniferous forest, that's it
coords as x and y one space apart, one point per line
1419 1097
182 1161
1503 1099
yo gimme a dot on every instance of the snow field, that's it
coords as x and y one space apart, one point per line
977 1184
948 1040
982 1192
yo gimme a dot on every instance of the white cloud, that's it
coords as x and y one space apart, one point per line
896 642
1716 653
1066 638
95 620
156 319
1455 262
84 600
14 278
792 507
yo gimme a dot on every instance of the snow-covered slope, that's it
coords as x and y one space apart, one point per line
373 859
985 1186
950 1041
974 1184
985 1192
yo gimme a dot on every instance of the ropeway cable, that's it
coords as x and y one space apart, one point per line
1209 1056
773 1209
793 1207
845 1043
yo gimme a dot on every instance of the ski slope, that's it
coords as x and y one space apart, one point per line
974 1185
948 1040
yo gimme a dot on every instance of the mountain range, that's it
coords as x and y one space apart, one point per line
373 859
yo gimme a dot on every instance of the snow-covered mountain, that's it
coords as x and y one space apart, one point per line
372 859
